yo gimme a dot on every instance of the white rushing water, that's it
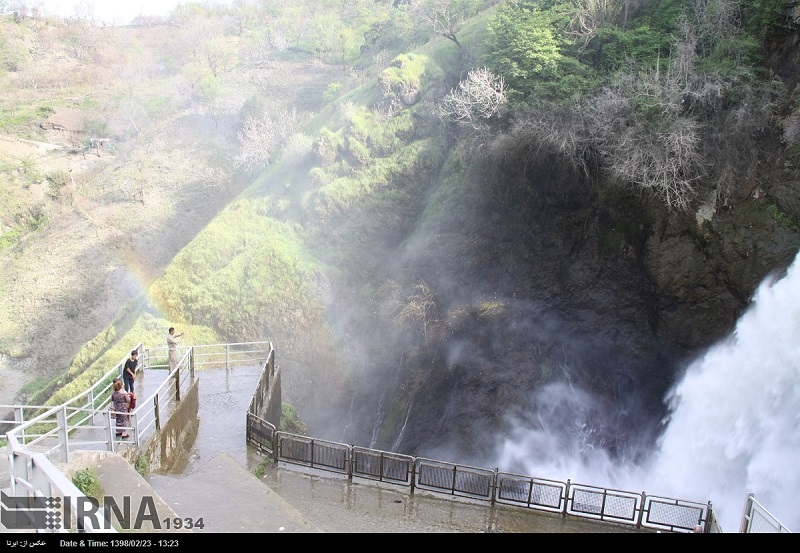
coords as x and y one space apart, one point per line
733 428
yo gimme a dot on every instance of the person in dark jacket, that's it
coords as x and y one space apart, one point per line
129 370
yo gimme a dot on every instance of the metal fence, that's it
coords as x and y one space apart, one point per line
208 356
41 434
757 520
493 486
86 422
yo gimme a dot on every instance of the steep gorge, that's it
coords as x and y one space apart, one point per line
456 295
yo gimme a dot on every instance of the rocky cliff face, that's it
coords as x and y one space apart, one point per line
606 297
547 281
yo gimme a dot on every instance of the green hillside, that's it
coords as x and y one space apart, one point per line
444 202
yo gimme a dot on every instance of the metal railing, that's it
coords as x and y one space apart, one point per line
757 520
475 483
87 420
94 398
34 476
40 432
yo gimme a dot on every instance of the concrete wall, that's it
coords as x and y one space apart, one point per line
273 403
170 446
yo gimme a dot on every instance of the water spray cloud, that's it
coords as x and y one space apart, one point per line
733 426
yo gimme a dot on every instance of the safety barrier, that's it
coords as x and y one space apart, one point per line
86 422
757 520
40 432
493 486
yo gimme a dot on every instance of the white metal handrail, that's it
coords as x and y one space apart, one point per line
32 442
758 520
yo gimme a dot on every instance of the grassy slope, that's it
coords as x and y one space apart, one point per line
260 270
77 261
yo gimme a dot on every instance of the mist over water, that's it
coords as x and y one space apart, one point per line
733 426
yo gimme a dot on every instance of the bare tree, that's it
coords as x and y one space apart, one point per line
589 15
476 99
261 137
667 164
443 16
217 177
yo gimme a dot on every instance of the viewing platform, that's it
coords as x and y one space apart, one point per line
194 431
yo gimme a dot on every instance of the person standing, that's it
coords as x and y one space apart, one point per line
120 404
129 370
172 344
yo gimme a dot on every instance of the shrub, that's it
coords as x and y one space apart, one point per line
784 220
297 148
9 238
87 482
58 180
358 150
142 464
332 91
290 421
263 466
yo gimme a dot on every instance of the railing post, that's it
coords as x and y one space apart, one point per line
494 484
271 360
63 434
227 356
566 499
350 463
157 412
109 429
603 506
413 473
747 515
709 514
641 511
134 420
91 403
275 442
191 361
178 383
19 418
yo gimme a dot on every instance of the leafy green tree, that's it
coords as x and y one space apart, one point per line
613 48
523 44
760 17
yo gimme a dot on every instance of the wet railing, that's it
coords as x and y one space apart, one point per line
757 520
86 421
40 432
493 486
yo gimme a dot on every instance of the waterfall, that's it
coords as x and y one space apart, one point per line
376 427
733 426
399 440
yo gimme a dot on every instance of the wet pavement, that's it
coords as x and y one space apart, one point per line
215 484
218 483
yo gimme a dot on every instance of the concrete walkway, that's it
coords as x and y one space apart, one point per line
228 498
217 484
